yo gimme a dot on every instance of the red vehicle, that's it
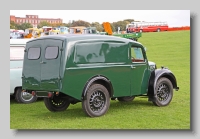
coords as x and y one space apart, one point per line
137 26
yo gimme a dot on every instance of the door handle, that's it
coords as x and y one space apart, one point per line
42 62
133 67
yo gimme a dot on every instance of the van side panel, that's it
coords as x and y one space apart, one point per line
88 59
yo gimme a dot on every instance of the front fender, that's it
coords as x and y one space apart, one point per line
156 75
164 72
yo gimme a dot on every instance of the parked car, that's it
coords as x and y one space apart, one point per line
17 47
16 34
93 70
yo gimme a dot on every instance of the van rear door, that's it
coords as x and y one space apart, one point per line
41 69
31 67
50 64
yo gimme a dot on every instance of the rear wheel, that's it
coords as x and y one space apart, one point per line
164 92
97 101
56 103
126 99
158 30
24 97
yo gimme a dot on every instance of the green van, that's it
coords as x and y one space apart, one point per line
92 69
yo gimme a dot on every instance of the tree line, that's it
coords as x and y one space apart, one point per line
122 24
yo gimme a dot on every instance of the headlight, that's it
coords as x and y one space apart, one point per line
152 66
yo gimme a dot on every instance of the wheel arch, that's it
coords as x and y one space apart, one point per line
158 30
167 74
156 75
100 79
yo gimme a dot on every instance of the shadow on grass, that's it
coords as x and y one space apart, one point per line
75 111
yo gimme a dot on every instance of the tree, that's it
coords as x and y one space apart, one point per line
24 26
129 20
80 23
43 23
12 25
98 26
121 24
113 27
57 24
67 24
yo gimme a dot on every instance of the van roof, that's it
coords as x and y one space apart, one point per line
74 37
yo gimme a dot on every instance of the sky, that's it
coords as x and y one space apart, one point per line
174 18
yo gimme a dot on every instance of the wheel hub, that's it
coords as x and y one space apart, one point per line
97 101
26 96
163 92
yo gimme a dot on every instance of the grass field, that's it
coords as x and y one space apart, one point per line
171 49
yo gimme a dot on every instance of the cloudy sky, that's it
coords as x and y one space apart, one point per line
174 18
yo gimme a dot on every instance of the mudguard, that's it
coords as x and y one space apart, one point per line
155 76
97 78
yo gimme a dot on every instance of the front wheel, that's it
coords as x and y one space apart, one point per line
56 103
97 101
164 92
24 97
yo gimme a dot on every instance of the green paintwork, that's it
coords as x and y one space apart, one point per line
82 57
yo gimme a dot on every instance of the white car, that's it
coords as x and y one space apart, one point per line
16 62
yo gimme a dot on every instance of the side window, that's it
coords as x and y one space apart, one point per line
34 53
51 52
100 52
16 53
136 54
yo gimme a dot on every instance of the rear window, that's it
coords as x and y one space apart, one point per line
51 52
34 53
16 53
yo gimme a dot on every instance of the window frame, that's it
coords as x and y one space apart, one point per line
46 51
29 51
137 60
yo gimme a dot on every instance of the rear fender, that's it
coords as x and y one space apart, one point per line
98 79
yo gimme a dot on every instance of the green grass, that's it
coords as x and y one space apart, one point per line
171 49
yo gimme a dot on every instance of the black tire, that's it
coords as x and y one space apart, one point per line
97 101
164 92
158 30
56 103
126 99
24 97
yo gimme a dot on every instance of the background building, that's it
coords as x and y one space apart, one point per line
34 20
